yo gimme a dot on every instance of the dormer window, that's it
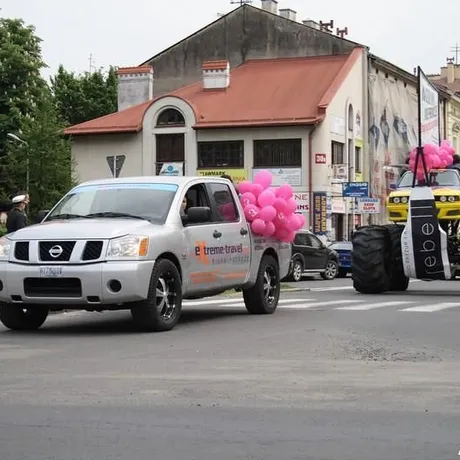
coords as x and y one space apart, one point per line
171 118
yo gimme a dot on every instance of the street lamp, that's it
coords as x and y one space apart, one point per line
18 139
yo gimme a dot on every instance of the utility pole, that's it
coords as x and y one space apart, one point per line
456 49
91 63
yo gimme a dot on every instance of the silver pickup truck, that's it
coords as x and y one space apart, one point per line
142 244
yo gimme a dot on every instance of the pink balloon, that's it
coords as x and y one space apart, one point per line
284 191
248 198
251 212
266 198
244 187
256 189
281 233
258 226
263 178
269 229
292 204
280 204
267 213
289 237
294 223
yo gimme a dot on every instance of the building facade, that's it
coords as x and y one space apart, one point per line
314 108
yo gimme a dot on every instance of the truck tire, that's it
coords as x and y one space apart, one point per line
262 298
18 318
371 260
162 309
398 280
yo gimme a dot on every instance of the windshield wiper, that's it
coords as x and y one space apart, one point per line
67 216
115 215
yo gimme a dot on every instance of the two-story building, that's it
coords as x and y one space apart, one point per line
256 89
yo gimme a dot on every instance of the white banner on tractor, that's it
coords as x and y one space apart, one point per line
423 241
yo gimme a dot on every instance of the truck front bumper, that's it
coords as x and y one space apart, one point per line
108 283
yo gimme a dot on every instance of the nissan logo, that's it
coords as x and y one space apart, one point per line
56 251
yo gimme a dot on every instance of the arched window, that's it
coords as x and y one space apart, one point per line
350 118
170 117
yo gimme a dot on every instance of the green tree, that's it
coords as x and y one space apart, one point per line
44 157
80 98
21 86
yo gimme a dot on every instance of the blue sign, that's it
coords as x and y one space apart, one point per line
355 190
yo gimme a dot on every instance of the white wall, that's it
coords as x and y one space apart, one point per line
90 155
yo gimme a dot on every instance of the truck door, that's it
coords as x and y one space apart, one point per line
199 264
231 236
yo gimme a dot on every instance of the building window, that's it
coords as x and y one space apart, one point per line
278 153
170 117
358 159
337 153
221 154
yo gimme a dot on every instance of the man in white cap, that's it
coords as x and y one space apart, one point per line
17 218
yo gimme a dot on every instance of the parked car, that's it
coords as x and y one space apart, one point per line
310 255
343 249
127 244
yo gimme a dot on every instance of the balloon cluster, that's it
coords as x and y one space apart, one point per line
436 157
270 210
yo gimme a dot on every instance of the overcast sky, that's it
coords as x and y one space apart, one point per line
127 32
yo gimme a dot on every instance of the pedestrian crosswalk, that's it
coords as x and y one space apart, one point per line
367 304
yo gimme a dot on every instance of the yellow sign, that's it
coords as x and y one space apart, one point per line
358 177
237 175
359 143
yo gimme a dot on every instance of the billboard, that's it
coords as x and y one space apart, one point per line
430 126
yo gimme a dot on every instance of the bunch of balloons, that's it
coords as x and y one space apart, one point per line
436 157
270 210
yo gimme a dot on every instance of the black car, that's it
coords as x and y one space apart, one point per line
310 255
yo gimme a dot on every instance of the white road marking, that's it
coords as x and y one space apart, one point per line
334 288
432 307
371 306
280 303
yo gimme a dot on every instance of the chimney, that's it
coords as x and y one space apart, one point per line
288 14
135 86
270 5
216 74
450 71
311 23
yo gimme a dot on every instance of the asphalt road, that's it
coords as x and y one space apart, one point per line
332 375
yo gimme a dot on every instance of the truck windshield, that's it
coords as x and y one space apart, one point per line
145 201
439 178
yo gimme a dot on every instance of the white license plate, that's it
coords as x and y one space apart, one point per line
50 272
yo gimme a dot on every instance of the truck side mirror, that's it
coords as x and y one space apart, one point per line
41 215
199 215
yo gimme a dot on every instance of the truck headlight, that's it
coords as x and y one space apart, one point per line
396 200
130 246
404 199
5 245
443 199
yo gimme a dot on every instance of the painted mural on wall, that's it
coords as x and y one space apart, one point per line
393 117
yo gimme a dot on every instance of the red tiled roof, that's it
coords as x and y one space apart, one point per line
264 92
215 65
138 69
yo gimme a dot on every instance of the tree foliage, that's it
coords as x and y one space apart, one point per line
21 85
80 98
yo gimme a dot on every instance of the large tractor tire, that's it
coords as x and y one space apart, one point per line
371 260
398 280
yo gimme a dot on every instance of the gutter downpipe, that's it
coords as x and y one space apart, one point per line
310 173
368 160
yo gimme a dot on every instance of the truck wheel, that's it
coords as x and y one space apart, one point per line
262 298
162 309
297 270
398 280
18 318
370 260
